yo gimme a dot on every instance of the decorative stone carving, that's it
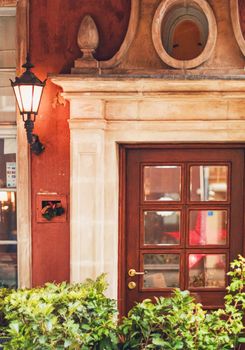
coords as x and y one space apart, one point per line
139 55
88 41
82 65
235 17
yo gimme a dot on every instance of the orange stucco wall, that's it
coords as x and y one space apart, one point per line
53 29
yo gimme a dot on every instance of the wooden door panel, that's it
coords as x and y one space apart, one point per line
157 257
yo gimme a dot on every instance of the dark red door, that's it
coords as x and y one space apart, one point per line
183 221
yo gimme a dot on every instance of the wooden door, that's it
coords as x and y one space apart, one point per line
182 221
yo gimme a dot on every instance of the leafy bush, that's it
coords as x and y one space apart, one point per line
4 292
61 317
180 323
80 317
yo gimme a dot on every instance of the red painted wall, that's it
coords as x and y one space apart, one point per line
53 31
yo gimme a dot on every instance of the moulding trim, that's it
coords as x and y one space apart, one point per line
6 3
235 18
126 84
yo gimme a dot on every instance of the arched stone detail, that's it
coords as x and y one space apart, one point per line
161 11
235 18
130 35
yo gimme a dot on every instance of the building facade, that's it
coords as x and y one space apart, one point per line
142 120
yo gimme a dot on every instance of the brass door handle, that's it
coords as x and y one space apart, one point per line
133 272
131 285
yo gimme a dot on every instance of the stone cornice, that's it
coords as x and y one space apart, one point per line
140 84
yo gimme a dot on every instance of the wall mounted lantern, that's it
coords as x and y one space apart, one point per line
28 91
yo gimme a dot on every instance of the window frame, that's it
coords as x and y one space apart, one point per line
23 154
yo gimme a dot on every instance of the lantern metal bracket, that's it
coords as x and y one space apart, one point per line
36 146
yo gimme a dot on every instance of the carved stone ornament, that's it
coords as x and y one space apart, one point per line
88 41
87 36
235 17
153 23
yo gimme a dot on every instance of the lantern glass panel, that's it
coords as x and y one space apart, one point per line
18 98
26 92
37 93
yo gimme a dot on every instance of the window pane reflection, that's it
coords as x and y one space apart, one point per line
208 183
7 163
162 227
161 270
208 227
8 265
8 230
207 270
162 183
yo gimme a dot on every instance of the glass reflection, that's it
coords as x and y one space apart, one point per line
208 183
162 227
161 270
208 227
207 270
8 228
7 163
8 265
162 183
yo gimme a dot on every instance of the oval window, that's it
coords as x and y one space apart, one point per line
181 32
185 32
186 43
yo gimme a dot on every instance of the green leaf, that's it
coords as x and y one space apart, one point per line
158 341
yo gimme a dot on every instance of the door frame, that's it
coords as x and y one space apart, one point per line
123 148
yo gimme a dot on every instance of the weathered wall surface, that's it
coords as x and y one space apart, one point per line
53 31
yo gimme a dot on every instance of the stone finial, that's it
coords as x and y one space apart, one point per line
88 37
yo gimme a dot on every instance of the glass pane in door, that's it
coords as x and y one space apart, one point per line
209 183
162 227
208 227
207 270
162 183
161 271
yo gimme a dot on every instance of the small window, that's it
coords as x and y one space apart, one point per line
187 42
185 32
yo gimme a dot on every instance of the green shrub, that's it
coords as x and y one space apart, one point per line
4 292
80 317
61 317
180 323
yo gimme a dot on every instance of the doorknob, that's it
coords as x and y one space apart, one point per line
133 272
131 285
